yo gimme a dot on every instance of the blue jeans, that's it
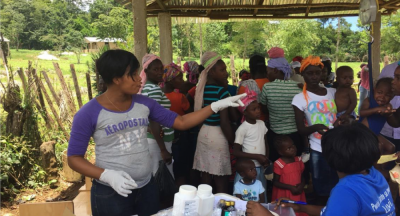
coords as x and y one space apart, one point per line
107 202
260 177
364 93
323 177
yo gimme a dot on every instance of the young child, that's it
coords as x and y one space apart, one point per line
248 188
250 140
374 115
288 179
345 96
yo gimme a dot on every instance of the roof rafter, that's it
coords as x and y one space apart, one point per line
258 2
227 7
308 7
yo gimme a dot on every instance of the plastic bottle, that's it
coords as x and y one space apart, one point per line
225 211
219 208
206 200
231 209
186 203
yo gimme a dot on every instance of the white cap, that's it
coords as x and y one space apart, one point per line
295 64
325 58
204 190
188 191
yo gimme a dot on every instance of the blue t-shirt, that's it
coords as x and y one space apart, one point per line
361 195
249 192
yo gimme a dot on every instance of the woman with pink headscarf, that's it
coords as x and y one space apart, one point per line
160 147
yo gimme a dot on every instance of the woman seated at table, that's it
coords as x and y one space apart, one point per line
352 151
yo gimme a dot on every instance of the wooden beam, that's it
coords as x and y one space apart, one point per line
258 2
260 11
265 17
228 7
389 3
308 7
210 4
162 5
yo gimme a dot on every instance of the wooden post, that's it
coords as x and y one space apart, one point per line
64 87
376 46
337 44
201 41
165 26
50 103
53 93
75 79
140 28
41 100
233 71
23 78
5 63
89 86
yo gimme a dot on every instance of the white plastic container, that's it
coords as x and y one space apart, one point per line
186 203
206 200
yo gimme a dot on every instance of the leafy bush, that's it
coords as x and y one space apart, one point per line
19 169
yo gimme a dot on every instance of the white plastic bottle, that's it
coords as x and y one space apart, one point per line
186 203
206 200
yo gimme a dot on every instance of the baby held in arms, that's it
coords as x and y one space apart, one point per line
345 96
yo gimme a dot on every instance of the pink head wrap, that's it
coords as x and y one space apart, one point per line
251 96
146 61
276 52
192 68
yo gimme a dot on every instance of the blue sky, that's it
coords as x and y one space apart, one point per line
351 20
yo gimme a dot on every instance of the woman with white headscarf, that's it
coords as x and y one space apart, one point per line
212 156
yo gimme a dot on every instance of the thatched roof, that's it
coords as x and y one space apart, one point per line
269 9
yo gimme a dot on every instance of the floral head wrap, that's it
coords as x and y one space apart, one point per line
170 71
192 69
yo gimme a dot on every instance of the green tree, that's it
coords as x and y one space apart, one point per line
391 36
75 43
118 24
247 37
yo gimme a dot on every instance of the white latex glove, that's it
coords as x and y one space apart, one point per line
233 101
305 157
120 181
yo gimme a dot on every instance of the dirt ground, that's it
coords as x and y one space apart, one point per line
67 191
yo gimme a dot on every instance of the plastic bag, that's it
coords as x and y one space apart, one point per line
165 181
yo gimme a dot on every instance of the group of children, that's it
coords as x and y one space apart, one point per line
314 108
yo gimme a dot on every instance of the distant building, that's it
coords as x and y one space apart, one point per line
95 43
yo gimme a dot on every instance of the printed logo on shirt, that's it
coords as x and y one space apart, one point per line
384 202
322 112
249 195
130 138
134 122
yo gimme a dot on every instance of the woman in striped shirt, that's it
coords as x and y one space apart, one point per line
212 157
160 147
